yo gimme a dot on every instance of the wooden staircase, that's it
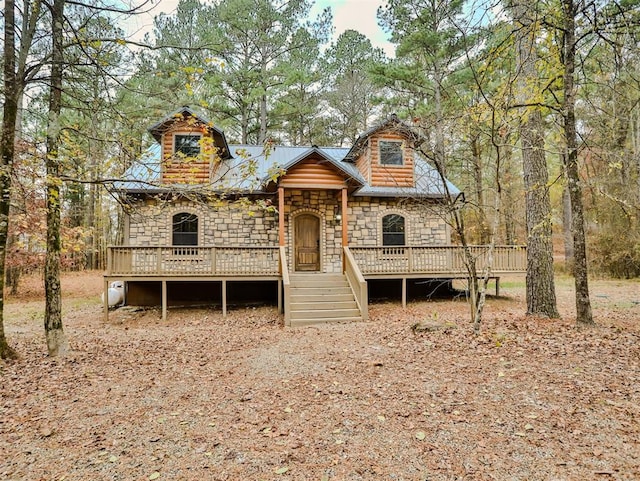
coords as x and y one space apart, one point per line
318 298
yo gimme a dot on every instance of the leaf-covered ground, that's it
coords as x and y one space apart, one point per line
201 397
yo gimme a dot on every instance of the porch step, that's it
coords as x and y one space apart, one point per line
311 297
328 320
318 280
321 298
325 313
298 304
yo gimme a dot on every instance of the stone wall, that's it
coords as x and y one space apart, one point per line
424 222
246 224
220 223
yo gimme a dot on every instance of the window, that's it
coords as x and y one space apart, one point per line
393 230
391 153
187 145
185 229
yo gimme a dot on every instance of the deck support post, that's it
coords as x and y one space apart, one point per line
164 300
280 303
224 298
497 287
105 300
404 292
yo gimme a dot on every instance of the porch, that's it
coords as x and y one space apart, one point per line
236 263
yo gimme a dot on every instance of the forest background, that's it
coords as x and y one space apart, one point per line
530 109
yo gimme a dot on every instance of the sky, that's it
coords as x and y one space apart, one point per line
357 15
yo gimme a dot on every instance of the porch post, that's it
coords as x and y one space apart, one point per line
345 236
281 216
345 222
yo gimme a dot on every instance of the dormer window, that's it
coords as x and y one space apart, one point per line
186 145
391 153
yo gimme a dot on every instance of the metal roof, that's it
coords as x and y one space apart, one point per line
250 170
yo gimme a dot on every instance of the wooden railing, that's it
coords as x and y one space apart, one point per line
357 282
192 261
286 284
437 260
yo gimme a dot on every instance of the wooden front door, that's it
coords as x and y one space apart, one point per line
307 239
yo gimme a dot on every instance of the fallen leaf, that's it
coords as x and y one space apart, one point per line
281 470
420 435
154 475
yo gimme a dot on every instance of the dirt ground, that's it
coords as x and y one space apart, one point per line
200 397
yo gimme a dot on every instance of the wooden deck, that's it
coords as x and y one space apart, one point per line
437 261
187 261
233 263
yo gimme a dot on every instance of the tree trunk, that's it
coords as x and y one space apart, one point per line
541 295
566 225
244 124
91 224
481 217
439 125
507 192
7 152
57 344
584 315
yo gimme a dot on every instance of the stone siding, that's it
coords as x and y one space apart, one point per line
246 224
222 223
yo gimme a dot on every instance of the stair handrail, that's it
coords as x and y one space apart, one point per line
357 283
286 285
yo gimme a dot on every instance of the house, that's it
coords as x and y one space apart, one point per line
311 224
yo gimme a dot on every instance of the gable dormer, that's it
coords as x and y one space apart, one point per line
191 147
384 155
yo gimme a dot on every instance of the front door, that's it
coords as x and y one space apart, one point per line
307 239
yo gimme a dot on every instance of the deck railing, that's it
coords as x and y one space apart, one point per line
286 286
193 261
357 283
437 260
